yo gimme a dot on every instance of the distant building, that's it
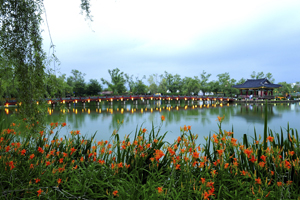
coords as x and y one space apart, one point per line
257 87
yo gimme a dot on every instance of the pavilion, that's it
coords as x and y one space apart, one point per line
261 88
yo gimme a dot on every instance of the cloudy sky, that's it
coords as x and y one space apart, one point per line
144 37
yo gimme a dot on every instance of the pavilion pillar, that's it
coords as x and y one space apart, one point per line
246 93
241 91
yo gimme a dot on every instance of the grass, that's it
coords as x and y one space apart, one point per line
48 167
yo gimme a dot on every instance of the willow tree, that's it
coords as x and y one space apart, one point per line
21 47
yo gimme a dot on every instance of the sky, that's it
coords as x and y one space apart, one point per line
185 37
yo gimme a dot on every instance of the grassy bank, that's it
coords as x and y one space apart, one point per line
48 167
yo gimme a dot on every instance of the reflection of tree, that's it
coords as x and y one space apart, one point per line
255 112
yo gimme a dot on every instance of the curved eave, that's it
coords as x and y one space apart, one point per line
255 88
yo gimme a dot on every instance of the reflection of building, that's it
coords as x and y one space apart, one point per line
256 113
261 88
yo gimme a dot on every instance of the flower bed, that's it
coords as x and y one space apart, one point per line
147 167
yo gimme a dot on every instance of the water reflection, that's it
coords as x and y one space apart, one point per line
105 117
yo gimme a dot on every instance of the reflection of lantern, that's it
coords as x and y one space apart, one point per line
6 111
89 111
76 111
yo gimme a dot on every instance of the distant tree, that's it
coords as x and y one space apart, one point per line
130 81
214 86
117 84
76 81
204 82
140 87
162 87
226 83
269 76
191 85
261 75
286 88
153 88
241 81
258 75
93 87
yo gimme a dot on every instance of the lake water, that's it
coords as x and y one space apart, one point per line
202 119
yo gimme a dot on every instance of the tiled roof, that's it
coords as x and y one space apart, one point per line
257 83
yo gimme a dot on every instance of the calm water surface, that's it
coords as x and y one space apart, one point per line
202 118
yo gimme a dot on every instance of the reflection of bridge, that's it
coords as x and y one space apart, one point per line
136 98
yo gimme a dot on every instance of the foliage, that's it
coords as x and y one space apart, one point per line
191 85
261 75
285 89
226 83
21 49
204 86
117 84
93 87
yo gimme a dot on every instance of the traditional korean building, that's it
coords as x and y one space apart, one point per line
262 88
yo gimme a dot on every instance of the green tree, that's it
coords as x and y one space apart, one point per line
286 88
162 87
140 87
214 86
226 83
8 82
258 75
241 81
93 87
76 81
204 82
191 85
269 76
130 82
153 88
21 46
117 84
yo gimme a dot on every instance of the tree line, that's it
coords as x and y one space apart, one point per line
124 83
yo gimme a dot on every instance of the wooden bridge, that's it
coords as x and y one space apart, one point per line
135 98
